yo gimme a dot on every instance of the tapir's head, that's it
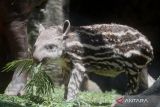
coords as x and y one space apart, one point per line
49 44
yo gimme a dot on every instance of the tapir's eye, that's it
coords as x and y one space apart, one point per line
51 47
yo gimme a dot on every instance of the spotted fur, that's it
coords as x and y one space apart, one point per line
105 49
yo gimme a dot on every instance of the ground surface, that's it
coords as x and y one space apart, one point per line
85 99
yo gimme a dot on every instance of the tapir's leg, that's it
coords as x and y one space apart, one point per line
146 80
18 43
17 84
139 78
76 79
133 81
89 85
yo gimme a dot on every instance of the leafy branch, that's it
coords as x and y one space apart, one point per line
40 83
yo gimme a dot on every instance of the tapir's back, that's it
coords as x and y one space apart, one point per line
109 46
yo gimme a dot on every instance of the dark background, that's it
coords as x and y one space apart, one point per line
143 15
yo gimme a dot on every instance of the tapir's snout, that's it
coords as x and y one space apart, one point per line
37 58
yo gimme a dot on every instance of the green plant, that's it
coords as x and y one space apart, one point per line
39 84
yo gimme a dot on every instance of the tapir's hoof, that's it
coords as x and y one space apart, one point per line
13 93
15 90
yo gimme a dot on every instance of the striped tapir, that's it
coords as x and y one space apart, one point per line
105 49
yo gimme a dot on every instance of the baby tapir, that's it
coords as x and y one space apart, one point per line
105 49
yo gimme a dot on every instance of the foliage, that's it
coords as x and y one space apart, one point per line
14 101
19 65
39 84
85 99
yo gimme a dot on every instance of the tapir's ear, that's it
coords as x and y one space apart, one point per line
66 27
41 28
